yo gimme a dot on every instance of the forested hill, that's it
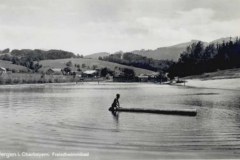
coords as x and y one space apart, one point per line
139 61
173 52
165 53
28 57
198 59
38 54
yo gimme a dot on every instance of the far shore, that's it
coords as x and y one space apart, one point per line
37 78
223 83
224 79
228 83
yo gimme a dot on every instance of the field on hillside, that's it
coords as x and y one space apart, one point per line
89 63
9 65
25 78
20 74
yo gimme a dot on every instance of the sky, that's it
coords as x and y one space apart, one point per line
91 26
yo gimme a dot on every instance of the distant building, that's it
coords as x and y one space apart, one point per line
54 71
2 70
143 78
90 73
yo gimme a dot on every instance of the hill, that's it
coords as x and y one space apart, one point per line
166 53
131 59
97 55
186 44
38 54
174 52
86 64
225 39
162 53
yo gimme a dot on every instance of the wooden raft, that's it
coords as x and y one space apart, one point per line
187 112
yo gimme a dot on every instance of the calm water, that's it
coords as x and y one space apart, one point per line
74 118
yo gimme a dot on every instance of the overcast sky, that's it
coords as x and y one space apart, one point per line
89 26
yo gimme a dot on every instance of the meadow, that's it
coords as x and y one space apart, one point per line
25 78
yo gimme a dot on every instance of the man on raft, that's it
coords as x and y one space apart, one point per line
115 104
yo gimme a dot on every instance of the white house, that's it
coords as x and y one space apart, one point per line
143 78
90 73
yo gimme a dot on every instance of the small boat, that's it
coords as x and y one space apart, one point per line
186 112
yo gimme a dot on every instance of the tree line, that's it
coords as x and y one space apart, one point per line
198 59
30 58
138 61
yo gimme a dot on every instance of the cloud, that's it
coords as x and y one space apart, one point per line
105 25
224 9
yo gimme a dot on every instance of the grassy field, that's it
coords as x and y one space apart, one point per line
24 78
61 63
9 65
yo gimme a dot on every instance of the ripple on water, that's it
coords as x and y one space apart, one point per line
73 117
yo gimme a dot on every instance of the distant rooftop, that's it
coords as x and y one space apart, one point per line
89 71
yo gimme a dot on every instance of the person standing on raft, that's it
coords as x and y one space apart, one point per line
115 103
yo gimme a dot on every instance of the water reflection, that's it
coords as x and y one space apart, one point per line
115 116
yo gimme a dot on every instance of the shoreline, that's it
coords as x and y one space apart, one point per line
72 83
38 78
208 81
223 83
224 79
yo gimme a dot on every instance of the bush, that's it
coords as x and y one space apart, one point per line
16 81
8 81
2 80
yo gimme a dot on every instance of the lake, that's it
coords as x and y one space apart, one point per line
74 118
